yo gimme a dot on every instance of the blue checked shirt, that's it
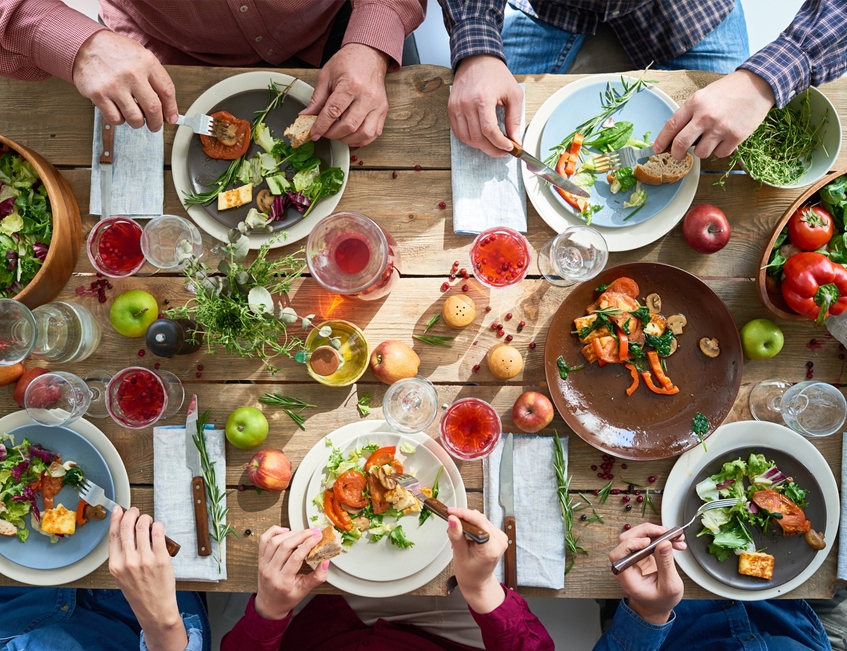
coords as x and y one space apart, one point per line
811 51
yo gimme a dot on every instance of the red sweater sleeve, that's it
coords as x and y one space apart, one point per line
39 38
384 24
512 627
255 633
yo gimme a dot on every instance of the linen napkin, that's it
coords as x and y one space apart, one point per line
487 192
172 500
539 529
842 534
138 171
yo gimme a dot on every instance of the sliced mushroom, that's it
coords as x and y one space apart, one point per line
676 323
674 346
264 200
710 347
228 135
814 540
94 512
350 509
384 479
654 303
361 523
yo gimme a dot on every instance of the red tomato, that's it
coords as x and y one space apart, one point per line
810 228
624 285
793 519
349 488
50 487
377 490
214 148
335 513
606 349
384 456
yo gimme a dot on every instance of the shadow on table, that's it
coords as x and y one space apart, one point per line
311 298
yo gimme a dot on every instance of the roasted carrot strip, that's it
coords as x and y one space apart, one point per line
623 345
658 371
634 372
648 380
573 154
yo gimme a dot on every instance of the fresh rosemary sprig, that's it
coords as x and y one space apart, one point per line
276 96
565 502
648 501
435 340
216 504
632 483
605 492
595 518
288 405
432 322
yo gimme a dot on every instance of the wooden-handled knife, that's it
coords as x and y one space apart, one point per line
198 484
507 501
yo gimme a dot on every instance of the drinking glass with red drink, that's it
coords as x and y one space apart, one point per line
138 397
349 254
470 428
500 257
114 247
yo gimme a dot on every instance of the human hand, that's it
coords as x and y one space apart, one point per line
474 564
281 555
125 81
482 83
721 115
139 561
350 99
653 584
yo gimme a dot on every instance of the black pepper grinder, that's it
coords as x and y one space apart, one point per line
167 337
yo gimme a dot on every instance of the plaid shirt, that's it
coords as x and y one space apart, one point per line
813 49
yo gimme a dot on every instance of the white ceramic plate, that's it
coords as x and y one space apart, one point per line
729 437
225 88
100 554
298 498
558 218
382 561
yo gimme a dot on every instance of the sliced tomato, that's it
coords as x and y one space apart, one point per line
793 519
214 148
349 489
50 487
623 345
606 349
624 285
377 490
384 456
335 513
810 228
634 372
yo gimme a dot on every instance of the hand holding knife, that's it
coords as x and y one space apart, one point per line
538 168
507 501
198 484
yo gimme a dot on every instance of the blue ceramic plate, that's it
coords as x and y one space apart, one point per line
647 112
38 552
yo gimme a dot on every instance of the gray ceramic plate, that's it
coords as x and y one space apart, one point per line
791 553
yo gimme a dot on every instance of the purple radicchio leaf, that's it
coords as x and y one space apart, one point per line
3 453
751 506
7 206
278 207
725 484
40 250
11 259
20 469
45 455
298 200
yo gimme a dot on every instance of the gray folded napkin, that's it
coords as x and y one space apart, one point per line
539 529
172 500
138 171
487 192
842 525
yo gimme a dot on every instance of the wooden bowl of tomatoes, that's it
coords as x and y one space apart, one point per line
816 223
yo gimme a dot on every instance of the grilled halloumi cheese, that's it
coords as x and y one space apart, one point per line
58 520
403 500
657 326
584 322
756 564
235 197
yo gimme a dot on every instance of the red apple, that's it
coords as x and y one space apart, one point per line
394 360
23 383
270 470
706 228
532 412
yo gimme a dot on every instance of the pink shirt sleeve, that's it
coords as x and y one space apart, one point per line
384 24
512 627
255 633
39 38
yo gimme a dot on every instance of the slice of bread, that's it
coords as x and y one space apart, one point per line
8 529
300 131
328 547
663 168
756 564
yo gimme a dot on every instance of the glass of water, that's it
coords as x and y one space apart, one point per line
57 399
167 240
410 405
18 332
576 254
811 408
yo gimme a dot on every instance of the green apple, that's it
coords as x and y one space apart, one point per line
132 312
761 339
246 428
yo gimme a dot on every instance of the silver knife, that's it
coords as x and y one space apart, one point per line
198 484
107 132
507 501
550 175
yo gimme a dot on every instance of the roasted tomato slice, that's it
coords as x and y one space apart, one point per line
349 489
606 349
377 490
624 285
214 148
335 513
793 519
382 457
50 487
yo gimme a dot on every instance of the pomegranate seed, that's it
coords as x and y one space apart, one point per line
623 466
156 365
809 364
442 205
628 507
475 343
522 324
809 375
625 499
532 344
456 264
509 337
109 286
508 316
198 374
393 175
627 527
142 352
241 488
361 162
417 168
199 367
616 491
445 287
596 492
611 458
639 499
501 332
452 276
637 492
505 266
594 468
476 368
466 275
611 476
354 158
94 285
161 316
487 308
465 288
102 298
495 326
652 479
601 476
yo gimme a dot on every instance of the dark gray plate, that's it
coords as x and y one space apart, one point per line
202 170
791 553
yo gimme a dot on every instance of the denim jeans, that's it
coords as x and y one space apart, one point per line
535 47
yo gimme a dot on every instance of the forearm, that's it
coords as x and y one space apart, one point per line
255 633
39 38
384 25
166 636
511 626
630 632
474 27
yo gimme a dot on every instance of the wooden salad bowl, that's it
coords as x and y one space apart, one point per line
768 287
67 232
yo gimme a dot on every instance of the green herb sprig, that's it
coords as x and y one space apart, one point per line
426 513
595 518
648 501
289 405
435 340
565 369
566 504
604 493
432 321
700 425
363 405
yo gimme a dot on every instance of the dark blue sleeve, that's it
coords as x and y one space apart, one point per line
629 632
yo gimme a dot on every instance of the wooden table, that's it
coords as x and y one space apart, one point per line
51 118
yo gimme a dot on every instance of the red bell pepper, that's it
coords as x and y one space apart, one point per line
814 286
634 373
661 390
580 203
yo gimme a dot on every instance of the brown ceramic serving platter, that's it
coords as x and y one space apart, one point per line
767 286
647 426
791 553
202 170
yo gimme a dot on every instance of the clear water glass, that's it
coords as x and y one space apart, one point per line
811 408
18 332
66 332
576 254
165 240
57 399
410 405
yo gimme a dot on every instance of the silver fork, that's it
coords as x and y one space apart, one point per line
670 534
203 124
624 157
